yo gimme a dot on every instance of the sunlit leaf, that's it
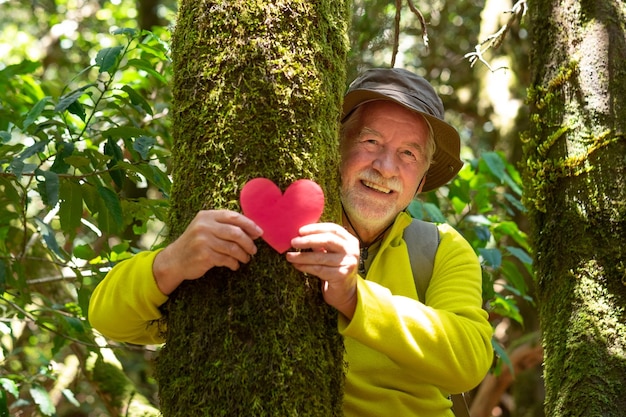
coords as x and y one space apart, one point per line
84 252
156 52
69 395
143 65
124 31
107 58
506 307
137 99
10 386
35 112
24 67
43 400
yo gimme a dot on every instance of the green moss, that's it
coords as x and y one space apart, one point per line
257 90
575 182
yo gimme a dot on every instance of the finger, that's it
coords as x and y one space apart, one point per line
315 228
315 258
248 226
326 242
235 251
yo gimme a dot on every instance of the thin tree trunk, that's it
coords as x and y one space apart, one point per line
576 193
257 92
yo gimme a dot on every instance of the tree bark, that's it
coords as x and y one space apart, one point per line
576 195
257 93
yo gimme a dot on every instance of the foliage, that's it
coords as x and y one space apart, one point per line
75 175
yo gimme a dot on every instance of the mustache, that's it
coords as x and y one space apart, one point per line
374 177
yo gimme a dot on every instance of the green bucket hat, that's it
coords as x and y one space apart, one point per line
416 94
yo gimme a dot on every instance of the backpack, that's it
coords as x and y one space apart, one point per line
422 241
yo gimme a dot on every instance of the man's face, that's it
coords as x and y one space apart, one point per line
382 163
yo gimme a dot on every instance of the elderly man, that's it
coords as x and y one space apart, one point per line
405 355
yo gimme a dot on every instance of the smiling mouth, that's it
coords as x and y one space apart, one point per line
377 187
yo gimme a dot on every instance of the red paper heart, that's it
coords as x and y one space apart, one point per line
281 215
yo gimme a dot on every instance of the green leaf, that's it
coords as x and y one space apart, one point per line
514 277
24 67
48 236
143 145
68 99
84 252
76 108
124 132
64 150
520 254
69 395
125 31
50 191
10 386
4 409
71 207
112 149
493 257
498 168
156 52
143 65
77 161
107 58
137 99
506 307
111 207
152 173
34 149
3 276
17 167
35 112
43 400
501 353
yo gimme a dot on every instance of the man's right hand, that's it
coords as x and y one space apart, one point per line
213 238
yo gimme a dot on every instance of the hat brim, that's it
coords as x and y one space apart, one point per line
446 163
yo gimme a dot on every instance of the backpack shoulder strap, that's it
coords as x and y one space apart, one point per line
422 241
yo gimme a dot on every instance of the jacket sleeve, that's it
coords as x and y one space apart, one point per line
125 304
447 342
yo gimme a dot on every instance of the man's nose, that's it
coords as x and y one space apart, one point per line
385 163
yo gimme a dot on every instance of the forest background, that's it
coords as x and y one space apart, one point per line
84 148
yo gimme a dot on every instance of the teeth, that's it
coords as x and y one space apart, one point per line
376 187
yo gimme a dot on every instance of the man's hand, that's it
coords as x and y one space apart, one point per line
213 238
334 259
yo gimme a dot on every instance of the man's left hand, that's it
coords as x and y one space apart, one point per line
331 254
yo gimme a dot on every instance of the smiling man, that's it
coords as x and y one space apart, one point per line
405 355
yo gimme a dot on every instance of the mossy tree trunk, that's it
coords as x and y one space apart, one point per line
257 93
576 194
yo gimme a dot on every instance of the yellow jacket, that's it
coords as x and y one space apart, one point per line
404 357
